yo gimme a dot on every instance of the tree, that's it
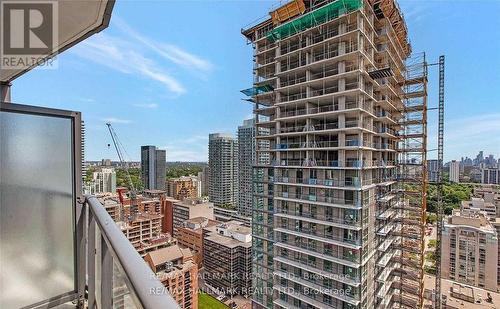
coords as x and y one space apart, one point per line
135 175
179 170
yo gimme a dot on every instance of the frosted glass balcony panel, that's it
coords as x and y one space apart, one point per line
36 208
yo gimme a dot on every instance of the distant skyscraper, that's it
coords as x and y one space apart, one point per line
161 169
454 171
479 158
246 159
223 170
153 166
432 170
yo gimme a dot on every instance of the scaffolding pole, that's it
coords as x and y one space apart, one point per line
440 182
412 186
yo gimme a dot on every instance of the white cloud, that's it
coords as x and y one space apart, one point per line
116 120
168 51
146 105
121 56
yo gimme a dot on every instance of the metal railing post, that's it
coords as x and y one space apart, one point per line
106 275
91 245
81 224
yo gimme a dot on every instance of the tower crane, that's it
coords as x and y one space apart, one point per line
120 150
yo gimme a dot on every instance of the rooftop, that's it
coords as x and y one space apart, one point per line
194 202
169 254
471 218
198 223
230 234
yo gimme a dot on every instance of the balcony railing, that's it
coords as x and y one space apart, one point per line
319 198
318 216
348 182
318 92
115 265
319 233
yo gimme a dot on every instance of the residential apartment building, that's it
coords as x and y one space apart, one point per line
469 249
225 215
490 194
143 226
153 167
246 160
496 225
227 258
490 176
176 269
104 180
187 209
183 187
191 236
455 171
223 170
327 89
480 204
432 170
167 210
203 180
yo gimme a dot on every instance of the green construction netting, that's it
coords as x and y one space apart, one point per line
311 19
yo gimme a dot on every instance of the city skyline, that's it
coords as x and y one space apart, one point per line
179 71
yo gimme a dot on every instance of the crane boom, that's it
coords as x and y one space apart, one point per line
118 146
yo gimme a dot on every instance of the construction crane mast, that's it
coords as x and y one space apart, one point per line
440 181
120 151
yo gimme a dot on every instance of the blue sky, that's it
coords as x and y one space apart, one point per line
168 73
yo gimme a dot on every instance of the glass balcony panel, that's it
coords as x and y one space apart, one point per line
36 206
122 297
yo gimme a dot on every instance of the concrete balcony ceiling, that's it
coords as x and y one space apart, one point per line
76 21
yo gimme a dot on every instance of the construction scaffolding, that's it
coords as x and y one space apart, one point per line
316 17
412 179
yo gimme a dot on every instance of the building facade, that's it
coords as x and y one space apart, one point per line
105 180
469 250
490 194
153 167
203 181
223 170
490 176
183 187
225 215
143 226
187 209
246 160
191 236
327 79
176 269
455 171
227 258
479 204
432 170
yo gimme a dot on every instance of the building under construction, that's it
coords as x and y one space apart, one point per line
143 225
339 211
